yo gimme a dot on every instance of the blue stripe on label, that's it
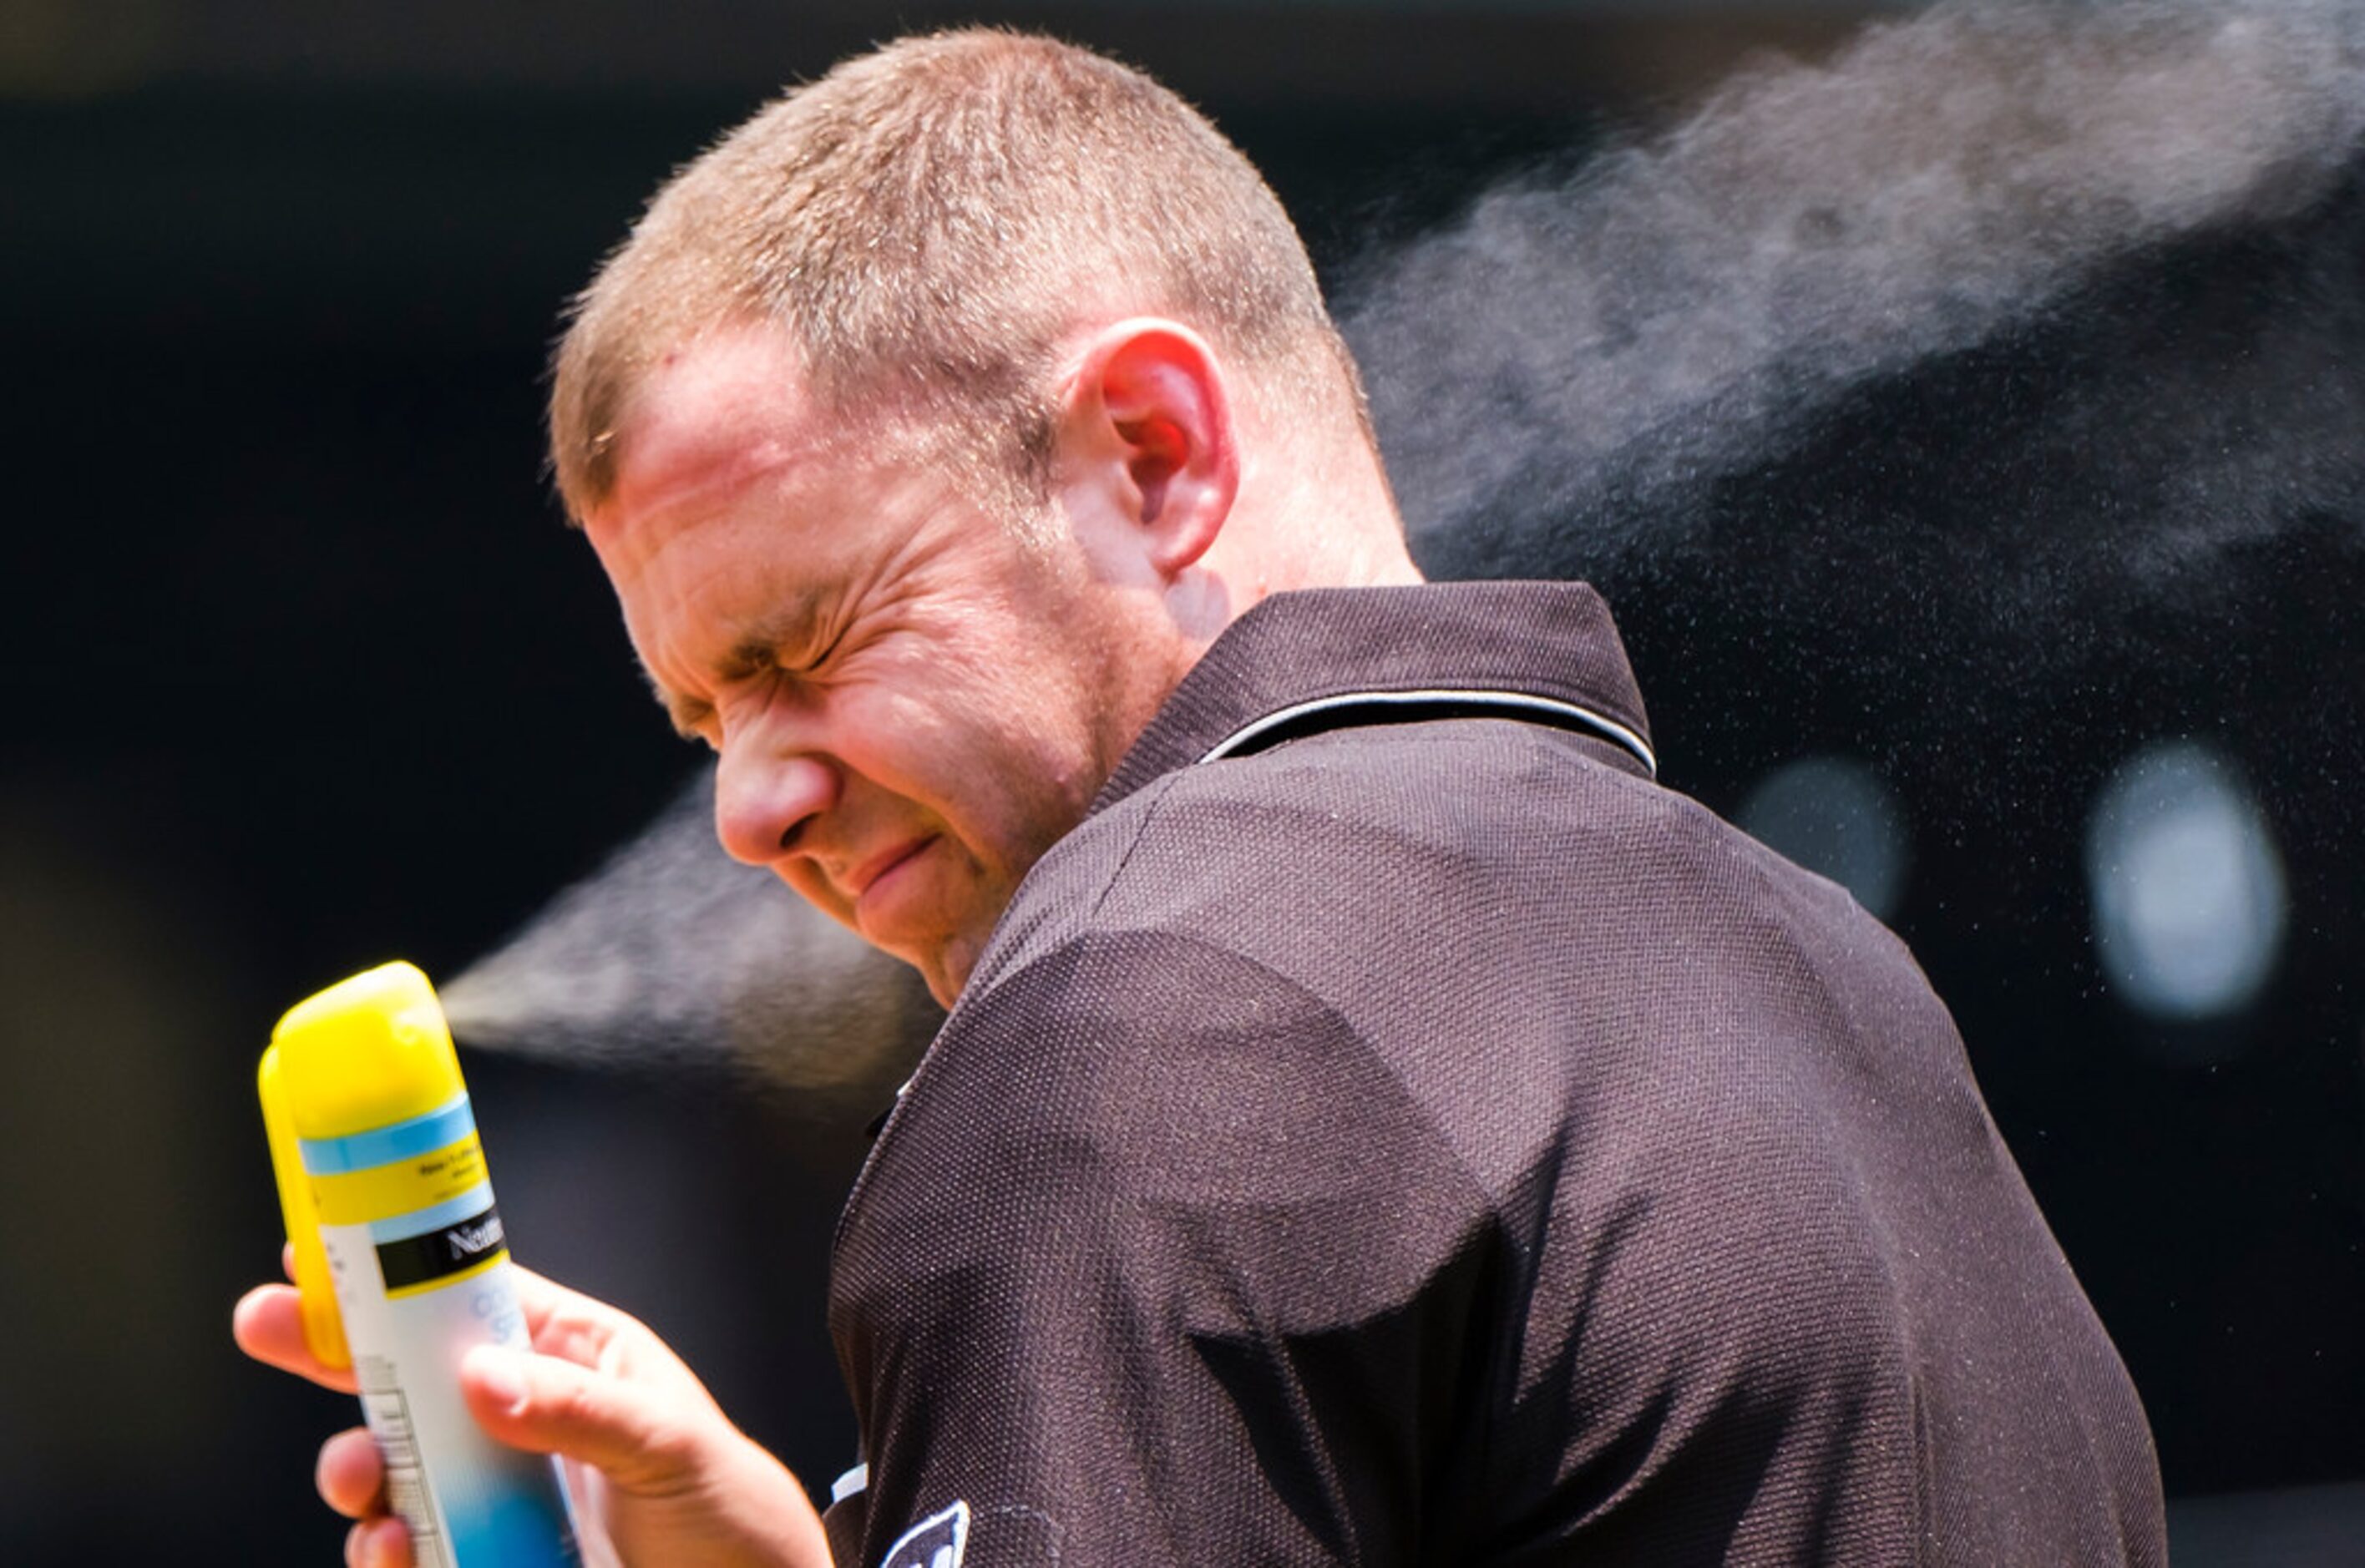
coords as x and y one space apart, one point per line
404 1140
420 1222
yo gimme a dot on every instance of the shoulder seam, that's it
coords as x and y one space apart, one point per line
1162 788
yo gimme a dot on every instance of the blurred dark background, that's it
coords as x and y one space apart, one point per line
303 672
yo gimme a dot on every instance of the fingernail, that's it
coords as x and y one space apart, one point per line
502 1374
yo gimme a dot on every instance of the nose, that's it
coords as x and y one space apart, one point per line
765 796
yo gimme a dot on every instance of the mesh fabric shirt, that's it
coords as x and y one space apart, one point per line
1414 1136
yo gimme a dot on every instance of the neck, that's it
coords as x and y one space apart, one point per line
1321 524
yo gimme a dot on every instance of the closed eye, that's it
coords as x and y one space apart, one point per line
751 659
792 632
814 665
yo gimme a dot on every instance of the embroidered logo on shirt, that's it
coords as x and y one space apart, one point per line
937 1541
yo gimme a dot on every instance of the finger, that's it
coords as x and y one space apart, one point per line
378 1543
269 1326
590 1333
352 1475
641 1435
568 1323
551 1309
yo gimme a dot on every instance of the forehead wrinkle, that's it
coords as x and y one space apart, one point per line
723 410
655 501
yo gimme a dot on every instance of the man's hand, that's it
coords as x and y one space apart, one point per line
658 1474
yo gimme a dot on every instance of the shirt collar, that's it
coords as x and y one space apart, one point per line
1553 641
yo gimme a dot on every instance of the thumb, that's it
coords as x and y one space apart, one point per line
643 1438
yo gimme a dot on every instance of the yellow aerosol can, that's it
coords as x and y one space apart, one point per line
401 1261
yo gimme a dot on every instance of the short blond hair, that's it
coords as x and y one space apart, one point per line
926 223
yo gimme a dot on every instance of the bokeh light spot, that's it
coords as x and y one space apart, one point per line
2186 883
1835 817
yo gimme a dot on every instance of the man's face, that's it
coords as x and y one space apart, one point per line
910 704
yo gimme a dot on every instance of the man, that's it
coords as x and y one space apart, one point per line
1375 1122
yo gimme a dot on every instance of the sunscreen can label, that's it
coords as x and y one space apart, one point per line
421 1267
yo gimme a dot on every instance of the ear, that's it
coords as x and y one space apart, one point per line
1148 461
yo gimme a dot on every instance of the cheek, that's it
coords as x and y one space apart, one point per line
1008 790
952 723
1002 748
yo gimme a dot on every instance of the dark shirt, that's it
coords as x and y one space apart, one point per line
1416 1136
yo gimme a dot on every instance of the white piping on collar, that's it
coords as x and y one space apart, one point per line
1608 728
853 1481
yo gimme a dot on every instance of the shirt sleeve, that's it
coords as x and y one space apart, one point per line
1156 1263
